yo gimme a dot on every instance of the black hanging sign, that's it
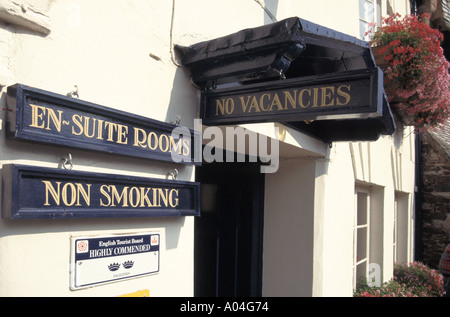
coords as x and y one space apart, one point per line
41 116
38 192
343 95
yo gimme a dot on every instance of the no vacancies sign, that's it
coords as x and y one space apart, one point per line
345 95
36 192
41 116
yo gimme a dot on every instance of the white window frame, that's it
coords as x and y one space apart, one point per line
402 228
364 21
357 262
395 229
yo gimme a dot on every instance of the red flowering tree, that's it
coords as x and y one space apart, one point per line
416 71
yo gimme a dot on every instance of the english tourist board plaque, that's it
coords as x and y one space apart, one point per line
96 260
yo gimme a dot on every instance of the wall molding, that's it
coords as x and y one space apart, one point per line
21 14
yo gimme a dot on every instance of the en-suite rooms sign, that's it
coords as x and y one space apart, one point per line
35 115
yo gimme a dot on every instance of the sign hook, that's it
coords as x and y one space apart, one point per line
177 121
174 174
73 93
67 162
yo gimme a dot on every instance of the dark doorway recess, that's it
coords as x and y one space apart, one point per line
228 234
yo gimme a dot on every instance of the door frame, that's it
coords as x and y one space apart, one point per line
256 222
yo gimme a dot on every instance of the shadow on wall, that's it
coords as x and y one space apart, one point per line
270 11
184 103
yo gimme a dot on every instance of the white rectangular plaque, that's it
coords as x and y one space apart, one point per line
104 259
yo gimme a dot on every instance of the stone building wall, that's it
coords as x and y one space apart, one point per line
435 196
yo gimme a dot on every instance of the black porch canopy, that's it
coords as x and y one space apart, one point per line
317 80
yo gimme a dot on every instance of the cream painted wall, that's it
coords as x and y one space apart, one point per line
200 20
370 165
119 56
333 223
35 258
289 229
339 15
385 167
373 166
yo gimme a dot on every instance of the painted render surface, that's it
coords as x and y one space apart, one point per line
120 56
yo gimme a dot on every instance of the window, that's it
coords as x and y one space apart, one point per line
368 229
395 229
369 12
401 228
361 235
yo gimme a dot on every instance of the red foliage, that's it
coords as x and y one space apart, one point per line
417 71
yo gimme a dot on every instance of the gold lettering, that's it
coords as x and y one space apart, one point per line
50 189
291 98
134 202
326 96
254 105
220 106
100 129
315 97
300 98
155 203
155 137
122 131
119 197
186 147
111 127
36 115
87 121
73 196
167 143
106 194
175 146
261 102
243 103
93 127
345 95
86 195
276 101
56 119
137 141
229 106
173 200
144 197
225 106
75 119
162 194
70 193
134 196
